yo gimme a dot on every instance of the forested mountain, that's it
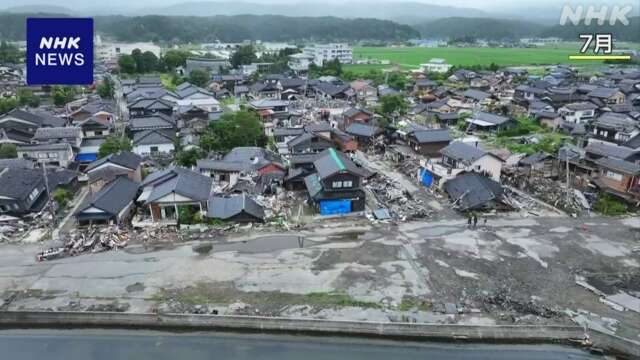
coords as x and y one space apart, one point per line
230 28
479 28
620 32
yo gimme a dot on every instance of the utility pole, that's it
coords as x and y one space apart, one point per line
568 187
46 185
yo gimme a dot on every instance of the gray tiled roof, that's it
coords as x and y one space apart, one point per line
472 190
603 92
18 183
156 136
57 133
602 149
490 118
157 121
45 147
430 136
124 158
463 152
227 207
180 181
475 94
620 165
113 198
363 130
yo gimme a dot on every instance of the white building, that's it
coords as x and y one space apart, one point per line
578 113
300 61
436 65
540 41
326 52
109 50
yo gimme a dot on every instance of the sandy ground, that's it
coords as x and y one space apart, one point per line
513 271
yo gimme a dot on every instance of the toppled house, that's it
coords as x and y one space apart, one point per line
106 169
165 192
364 135
309 142
94 128
112 203
355 115
271 108
146 107
618 177
23 191
335 187
60 154
429 142
489 122
459 157
539 164
236 208
472 191
100 110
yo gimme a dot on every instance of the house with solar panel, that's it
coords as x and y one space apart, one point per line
336 185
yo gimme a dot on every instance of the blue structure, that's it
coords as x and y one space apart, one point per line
332 207
426 177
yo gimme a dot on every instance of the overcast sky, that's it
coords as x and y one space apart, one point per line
493 5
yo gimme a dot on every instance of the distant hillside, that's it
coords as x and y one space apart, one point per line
620 32
231 28
480 28
406 12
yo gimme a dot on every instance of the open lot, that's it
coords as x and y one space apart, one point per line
518 270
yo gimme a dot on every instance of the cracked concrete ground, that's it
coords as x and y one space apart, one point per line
516 270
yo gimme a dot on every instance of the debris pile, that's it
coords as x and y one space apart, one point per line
400 203
16 229
501 301
92 239
550 192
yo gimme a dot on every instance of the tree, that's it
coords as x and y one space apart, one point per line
199 77
8 151
114 144
175 58
62 196
392 104
397 80
27 98
106 88
241 128
188 158
8 104
148 62
127 64
245 55
62 95
9 53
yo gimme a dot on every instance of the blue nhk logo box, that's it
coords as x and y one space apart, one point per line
59 51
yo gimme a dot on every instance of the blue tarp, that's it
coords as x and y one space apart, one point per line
88 157
426 177
331 207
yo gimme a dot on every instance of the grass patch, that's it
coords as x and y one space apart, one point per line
224 293
610 205
411 303
547 142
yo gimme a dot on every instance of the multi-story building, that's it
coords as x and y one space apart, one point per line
327 52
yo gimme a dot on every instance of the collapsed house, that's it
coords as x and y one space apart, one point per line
236 208
472 191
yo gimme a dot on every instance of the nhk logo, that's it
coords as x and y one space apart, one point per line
59 51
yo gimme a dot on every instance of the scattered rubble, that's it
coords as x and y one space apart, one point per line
400 204
92 239
549 191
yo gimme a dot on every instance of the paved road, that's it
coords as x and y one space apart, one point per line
142 345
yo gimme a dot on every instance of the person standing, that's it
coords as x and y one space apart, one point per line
475 220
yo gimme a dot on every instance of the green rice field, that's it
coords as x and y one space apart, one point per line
412 57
